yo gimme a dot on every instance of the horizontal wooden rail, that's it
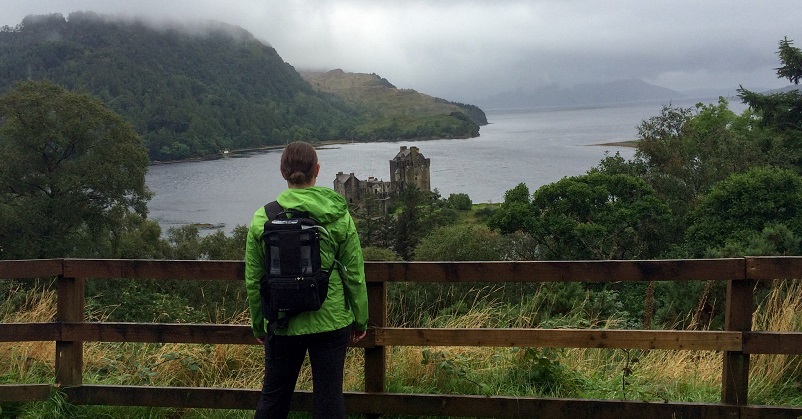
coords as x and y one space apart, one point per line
40 268
785 343
154 269
426 404
448 272
25 392
562 338
29 332
546 271
159 333
767 268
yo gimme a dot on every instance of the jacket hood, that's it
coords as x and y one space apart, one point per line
323 204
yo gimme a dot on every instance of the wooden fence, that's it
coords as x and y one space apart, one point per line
736 342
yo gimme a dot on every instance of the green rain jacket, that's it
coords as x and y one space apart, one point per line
347 301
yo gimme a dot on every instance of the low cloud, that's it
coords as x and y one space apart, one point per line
469 50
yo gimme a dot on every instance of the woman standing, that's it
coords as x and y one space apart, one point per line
324 333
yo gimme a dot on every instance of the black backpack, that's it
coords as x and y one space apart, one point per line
294 280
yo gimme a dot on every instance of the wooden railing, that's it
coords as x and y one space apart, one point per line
737 341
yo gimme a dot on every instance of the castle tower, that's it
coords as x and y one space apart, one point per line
410 168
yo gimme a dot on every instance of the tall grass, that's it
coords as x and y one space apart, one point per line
27 362
692 376
778 378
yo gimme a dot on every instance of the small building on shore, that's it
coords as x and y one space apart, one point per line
409 168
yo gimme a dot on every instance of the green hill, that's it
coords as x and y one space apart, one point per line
419 115
197 90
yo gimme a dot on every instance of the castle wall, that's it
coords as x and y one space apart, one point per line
408 168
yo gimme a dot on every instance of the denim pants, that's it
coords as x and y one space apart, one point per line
284 356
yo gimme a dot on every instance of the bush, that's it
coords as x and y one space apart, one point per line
460 201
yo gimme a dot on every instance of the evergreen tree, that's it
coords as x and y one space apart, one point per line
782 111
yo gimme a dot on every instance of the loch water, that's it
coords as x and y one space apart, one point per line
533 146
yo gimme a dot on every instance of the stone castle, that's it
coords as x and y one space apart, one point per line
409 168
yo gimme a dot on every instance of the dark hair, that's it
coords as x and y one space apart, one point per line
298 162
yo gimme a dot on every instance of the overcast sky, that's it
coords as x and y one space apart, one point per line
469 50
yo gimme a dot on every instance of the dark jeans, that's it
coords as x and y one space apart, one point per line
283 358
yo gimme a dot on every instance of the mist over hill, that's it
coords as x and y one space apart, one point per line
198 89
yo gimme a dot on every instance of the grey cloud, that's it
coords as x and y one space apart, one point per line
467 50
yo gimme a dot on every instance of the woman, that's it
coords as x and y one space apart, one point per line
323 333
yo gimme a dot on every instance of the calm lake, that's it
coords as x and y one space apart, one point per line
536 147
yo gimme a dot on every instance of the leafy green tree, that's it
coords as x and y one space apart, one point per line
774 240
378 253
72 169
218 246
460 201
742 206
683 152
617 165
609 217
460 242
598 216
514 214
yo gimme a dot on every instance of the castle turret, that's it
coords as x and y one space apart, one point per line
410 168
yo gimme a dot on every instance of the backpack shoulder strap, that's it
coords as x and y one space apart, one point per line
273 209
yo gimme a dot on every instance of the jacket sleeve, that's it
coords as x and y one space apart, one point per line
254 269
351 259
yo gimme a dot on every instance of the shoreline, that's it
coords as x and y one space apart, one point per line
319 145
628 143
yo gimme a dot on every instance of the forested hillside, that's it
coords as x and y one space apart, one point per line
404 113
192 91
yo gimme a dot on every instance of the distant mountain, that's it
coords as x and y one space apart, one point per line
415 111
196 90
588 94
731 94
785 89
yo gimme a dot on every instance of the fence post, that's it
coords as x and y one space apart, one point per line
738 318
375 357
70 302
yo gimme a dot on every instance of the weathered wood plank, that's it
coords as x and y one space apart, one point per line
35 268
562 338
537 271
217 334
766 268
423 404
787 343
159 333
153 396
28 332
376 356
524 407
24 392
70 305
738 318
155 269
770 412
582 271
